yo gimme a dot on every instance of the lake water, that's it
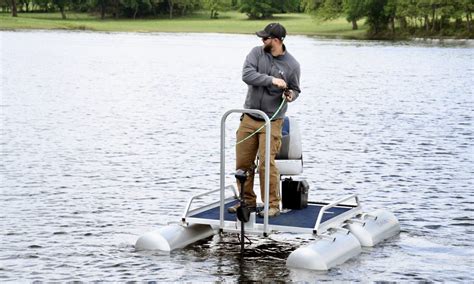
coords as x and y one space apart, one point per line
105 136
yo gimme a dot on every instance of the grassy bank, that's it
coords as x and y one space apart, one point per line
229 22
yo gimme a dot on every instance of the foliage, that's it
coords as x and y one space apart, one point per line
376 17
287 6
44 5
62 5
214 6
258 9
354 10
383 18
234 22
330 9
386 18
310 6
132 7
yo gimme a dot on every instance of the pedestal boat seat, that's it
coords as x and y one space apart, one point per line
289 160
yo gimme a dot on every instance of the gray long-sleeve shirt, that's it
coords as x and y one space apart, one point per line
259 69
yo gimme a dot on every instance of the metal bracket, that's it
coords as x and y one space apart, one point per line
340 229
327 237
364 215
335 203
351 221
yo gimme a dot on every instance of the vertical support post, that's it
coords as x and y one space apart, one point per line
268 129
222 173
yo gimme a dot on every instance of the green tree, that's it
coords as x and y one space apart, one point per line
354 10
44 5
134 7
257 9
390 10
424 8
330 9
457 9
183 6
5 5
406 13
420 17
101 5
376 17
467 7
214 6
14 9
287 6
24 5
61 5
81 6
310 6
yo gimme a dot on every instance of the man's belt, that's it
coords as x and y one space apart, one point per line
258 118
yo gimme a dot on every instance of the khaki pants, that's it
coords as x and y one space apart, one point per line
246 153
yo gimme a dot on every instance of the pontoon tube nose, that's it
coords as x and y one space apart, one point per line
173 237
323 254
375 227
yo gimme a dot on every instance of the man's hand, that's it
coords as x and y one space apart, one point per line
280 83
289 95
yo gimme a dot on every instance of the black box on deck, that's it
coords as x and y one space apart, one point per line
294 194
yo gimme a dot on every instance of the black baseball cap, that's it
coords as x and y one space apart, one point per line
273 30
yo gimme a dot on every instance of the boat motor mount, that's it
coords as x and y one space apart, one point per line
243 212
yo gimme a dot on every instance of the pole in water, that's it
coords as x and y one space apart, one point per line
242 238
243 212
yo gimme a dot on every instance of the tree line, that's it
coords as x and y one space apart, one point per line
152 8
389 17
384 18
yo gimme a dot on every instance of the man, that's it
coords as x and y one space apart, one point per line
272 75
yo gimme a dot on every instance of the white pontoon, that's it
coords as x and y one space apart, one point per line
341 227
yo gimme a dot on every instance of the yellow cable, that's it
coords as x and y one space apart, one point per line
273 116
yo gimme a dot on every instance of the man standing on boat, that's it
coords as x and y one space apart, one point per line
272 75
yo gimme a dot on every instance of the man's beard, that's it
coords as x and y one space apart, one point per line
268 47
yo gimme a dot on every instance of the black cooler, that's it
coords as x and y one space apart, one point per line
294 194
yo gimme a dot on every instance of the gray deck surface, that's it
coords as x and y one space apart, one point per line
304 218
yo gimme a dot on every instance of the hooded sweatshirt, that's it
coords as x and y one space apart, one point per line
259 69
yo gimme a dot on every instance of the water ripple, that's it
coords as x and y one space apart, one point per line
101 146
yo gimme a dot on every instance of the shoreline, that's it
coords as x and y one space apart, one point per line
230 23
432 40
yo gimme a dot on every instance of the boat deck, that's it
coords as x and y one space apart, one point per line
304 219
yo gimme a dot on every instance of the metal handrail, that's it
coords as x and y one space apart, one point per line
267 165
188 205
330 205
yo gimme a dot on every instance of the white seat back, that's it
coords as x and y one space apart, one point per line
290 159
